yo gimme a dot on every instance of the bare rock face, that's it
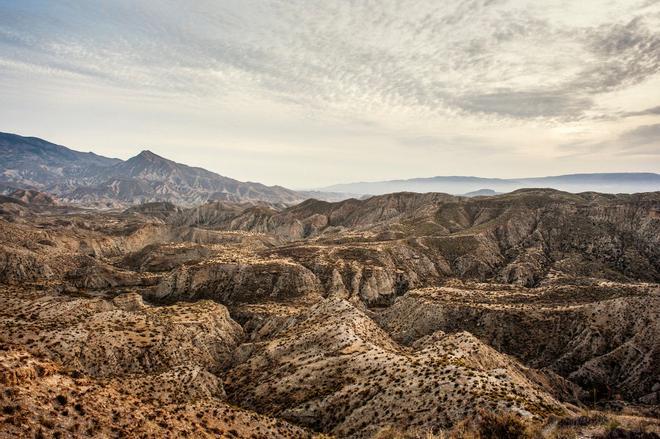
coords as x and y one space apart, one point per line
239 282
156 210
375 273
166 257
22 266
95 275
338 372
527 268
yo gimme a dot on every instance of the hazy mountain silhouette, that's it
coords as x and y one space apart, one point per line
628 182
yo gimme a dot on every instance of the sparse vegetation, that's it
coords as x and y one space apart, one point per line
445 319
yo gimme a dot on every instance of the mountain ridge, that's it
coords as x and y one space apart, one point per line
90 179
87 178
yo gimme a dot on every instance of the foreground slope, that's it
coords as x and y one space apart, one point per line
41 399
334 369
90 366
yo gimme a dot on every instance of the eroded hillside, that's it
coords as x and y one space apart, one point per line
408 313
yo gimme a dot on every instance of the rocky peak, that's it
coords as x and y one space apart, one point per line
147 165
149 156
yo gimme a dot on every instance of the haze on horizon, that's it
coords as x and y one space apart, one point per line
312 93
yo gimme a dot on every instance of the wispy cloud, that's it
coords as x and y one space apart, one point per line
478 57
653 111
388 64
644 139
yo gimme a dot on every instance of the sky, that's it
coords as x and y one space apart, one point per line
308 93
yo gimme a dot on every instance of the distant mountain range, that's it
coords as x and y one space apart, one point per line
29 163
90 179
472 186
